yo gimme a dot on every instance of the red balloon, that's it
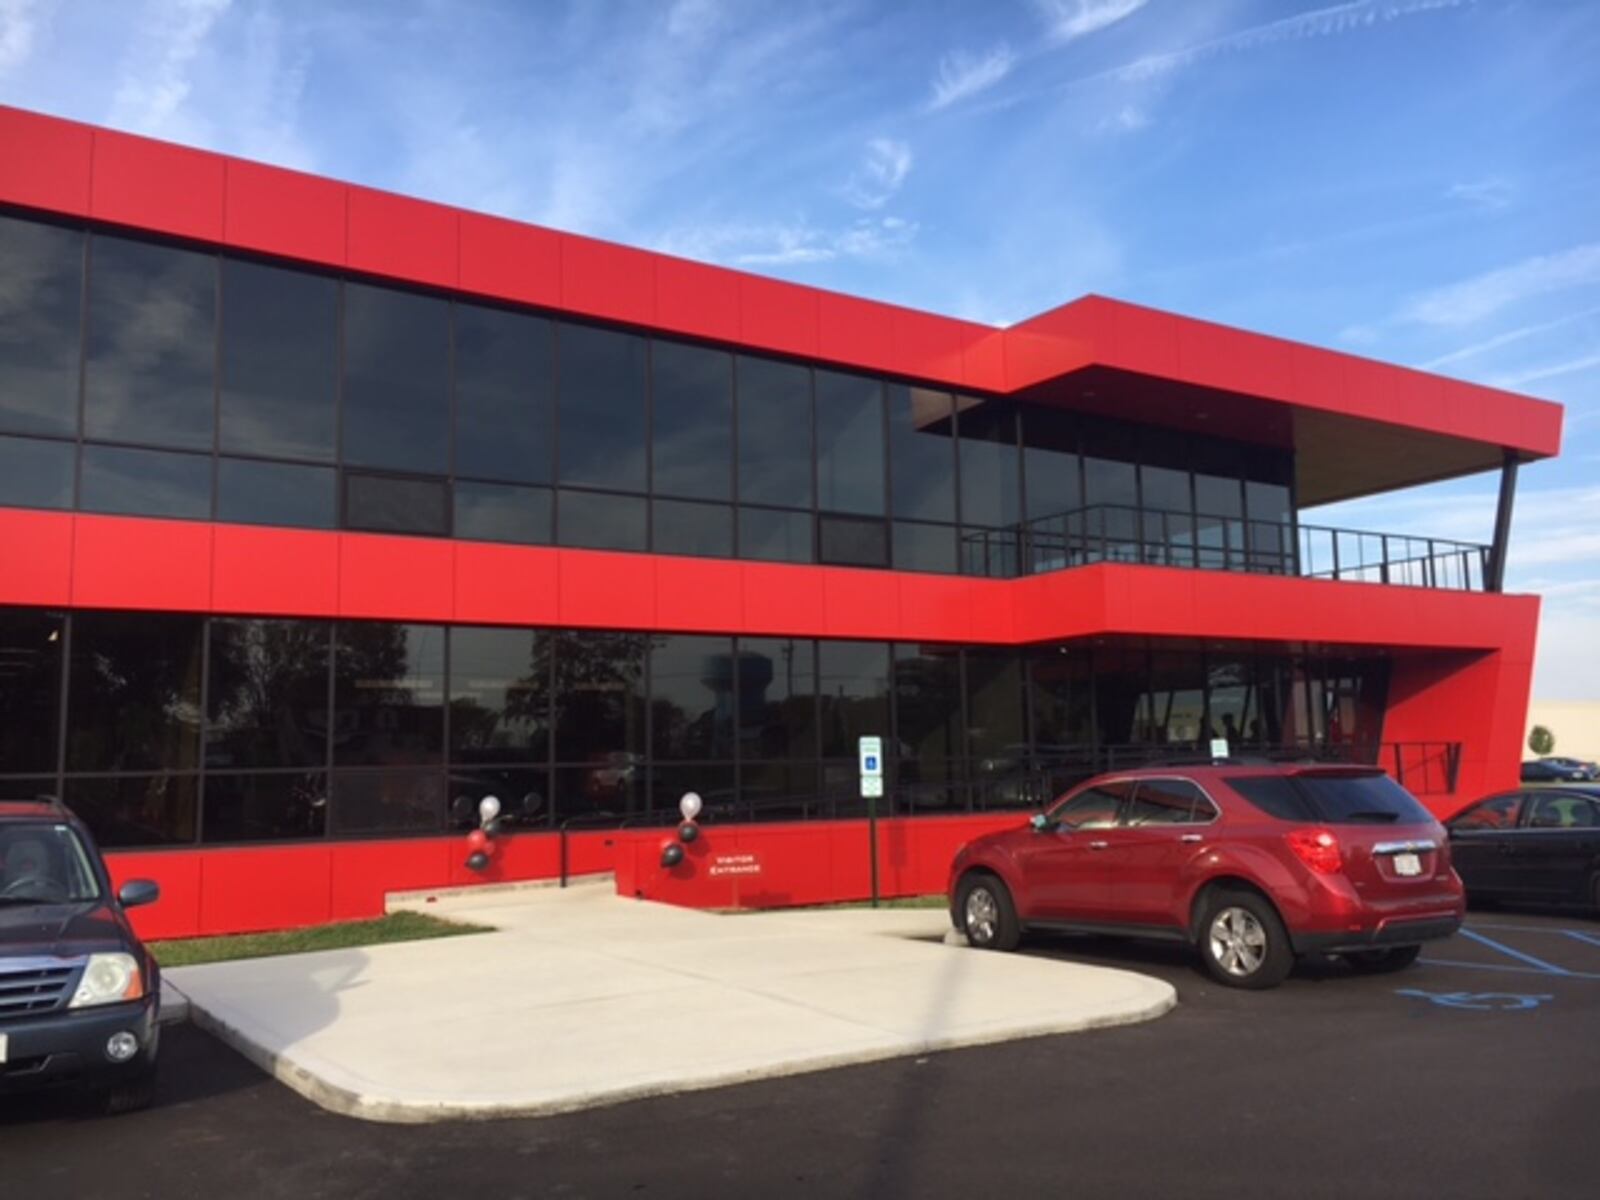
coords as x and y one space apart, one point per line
478 839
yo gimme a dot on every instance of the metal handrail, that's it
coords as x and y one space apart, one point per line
1214 541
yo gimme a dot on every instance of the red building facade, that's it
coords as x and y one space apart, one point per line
324 512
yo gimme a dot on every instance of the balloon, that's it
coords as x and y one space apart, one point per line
489 808
477 839
477 861
690 805
671 854
688 831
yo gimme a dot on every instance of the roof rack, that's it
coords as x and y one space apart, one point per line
45 798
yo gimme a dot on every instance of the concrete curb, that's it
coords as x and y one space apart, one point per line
417 899
174 1004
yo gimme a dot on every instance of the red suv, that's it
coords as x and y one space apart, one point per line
1253 865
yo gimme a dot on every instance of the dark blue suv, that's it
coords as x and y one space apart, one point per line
79 993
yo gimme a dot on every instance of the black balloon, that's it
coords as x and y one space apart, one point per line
688 831
477 860
671 854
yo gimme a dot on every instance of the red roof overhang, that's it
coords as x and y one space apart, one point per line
1357 426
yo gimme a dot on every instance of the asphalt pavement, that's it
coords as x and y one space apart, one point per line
1476 1073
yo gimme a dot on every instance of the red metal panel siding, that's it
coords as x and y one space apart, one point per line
779 316
284 212
507 585
397 578
510 261
696 299
177 912
47 162
264 571
603 279
608 591
277 887
144 564
157 186
405 239
35 557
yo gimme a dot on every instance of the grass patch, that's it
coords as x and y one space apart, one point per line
396 927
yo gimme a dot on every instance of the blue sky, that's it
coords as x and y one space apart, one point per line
1416 180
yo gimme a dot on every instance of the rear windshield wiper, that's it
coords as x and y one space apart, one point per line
1372 814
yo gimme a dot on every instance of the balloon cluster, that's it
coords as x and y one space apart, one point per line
480 845
672 849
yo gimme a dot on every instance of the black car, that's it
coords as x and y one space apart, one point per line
79 993
1536 846
1559 770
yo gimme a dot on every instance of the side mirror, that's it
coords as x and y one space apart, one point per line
1040 822
138 891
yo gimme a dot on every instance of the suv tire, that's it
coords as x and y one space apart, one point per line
135 1094
1242 940
988 916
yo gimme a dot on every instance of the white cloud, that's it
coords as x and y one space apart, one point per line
790 243
1130 118
883 169
18 26
153 90
1571 366
1069 19
694 19
1489 194
1483 295
961 75
1505 339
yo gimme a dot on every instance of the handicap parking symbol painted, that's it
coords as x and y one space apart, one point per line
1479 1001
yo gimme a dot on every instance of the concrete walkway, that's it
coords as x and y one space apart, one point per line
582 998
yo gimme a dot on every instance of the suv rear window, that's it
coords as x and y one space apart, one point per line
1335 799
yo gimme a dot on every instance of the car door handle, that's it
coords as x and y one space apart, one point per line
1098 845
1192 837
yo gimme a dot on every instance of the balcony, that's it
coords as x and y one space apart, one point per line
1116 533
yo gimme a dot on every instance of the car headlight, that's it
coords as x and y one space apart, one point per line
108 979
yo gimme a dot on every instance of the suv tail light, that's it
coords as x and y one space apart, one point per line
1318 849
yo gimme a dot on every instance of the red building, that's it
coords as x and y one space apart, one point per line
325 512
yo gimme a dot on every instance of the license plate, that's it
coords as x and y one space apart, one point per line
1407 864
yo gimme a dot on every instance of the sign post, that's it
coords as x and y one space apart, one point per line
870 753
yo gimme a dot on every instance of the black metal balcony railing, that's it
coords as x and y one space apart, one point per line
1124 533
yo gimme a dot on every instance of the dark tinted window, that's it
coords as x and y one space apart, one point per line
267 493
774 535
503 512
1106 481
152 344
1217 496
712 782
396 410
1502 812
851 467
852 541
150 483
602 408
523 792
774 432
919 547
387 504
30 689
1164 489
267 694
1050 463
613 785
927 697
35 473
922 460
995 722
1274 795
505 383
777 698
691 427
139 810
134 696
990 460
388 694
1362 798
853 683
499 695
1561 811
41 294
387 802
280 361
691 697
599 699
254 808
685 527
601 522
1166 802
1093 808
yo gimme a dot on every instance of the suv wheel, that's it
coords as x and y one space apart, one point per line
988 917
1378 962
1243 941
131 1096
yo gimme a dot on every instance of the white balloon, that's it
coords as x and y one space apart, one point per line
689 806
489 807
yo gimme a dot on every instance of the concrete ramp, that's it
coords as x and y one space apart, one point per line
581 998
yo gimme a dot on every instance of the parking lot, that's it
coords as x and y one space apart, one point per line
1476 1073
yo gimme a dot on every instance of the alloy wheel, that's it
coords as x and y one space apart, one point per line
983 916
1238 942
